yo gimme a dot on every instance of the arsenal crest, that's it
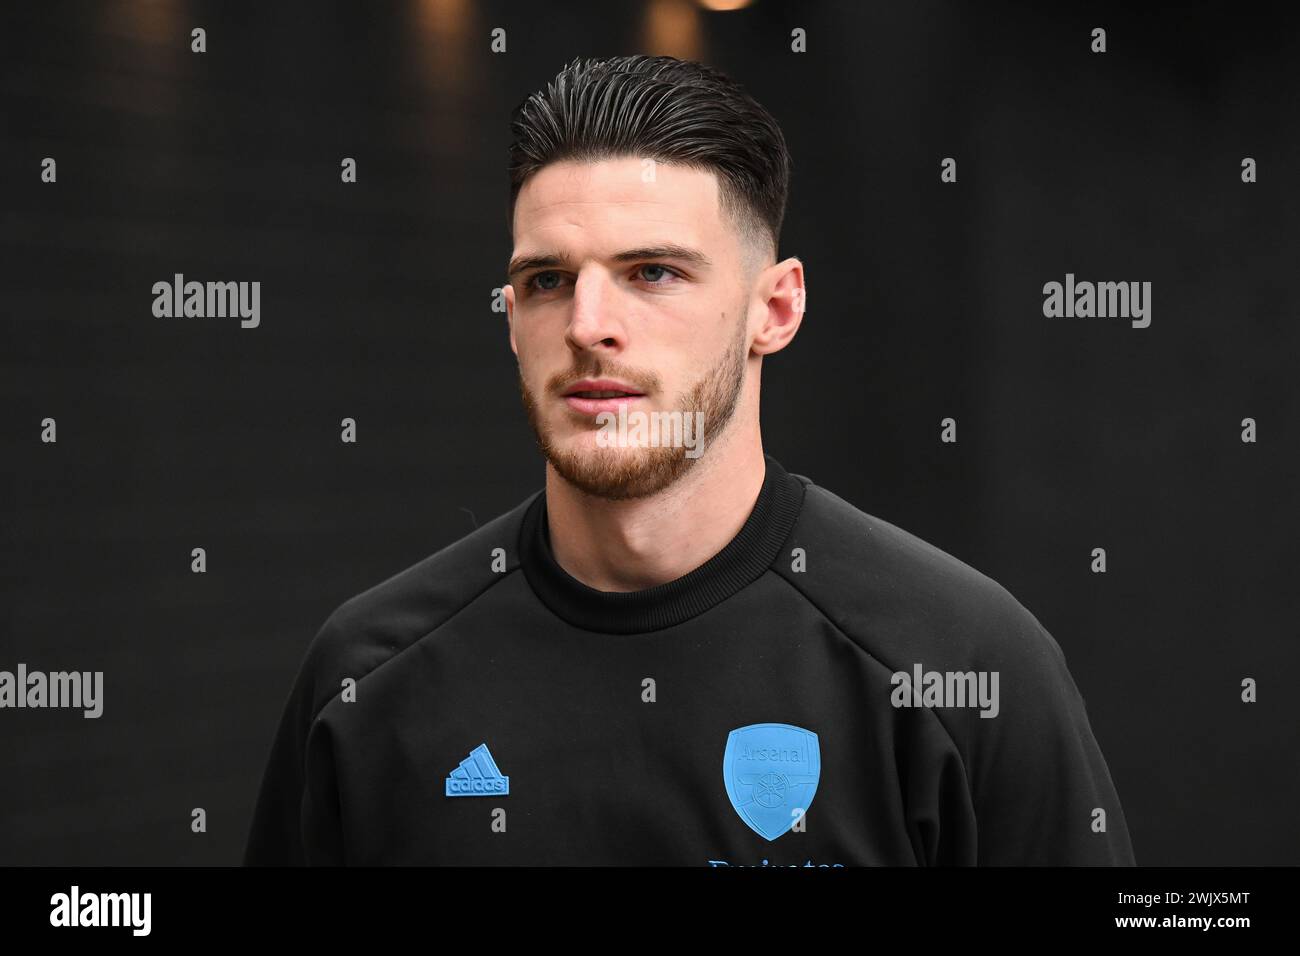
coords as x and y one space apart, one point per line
771 773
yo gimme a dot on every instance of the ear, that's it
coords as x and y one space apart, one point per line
509 292
781 287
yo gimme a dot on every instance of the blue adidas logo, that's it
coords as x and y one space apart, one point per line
478 776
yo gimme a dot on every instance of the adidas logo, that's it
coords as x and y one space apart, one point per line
477 776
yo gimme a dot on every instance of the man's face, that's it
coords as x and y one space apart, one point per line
664 331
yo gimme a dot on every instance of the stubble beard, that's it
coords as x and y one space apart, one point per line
622 473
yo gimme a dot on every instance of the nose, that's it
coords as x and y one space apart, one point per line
595 320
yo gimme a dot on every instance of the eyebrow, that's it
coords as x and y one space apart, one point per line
670 250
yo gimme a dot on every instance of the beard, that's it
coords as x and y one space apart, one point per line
623 473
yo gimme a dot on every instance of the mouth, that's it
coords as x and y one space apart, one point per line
591 397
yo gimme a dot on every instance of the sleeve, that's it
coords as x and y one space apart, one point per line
1042 793
288 827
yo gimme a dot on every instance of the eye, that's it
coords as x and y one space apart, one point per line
661 268
533 284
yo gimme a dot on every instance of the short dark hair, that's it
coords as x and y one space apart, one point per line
670 110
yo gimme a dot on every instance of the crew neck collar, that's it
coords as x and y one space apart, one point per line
742 561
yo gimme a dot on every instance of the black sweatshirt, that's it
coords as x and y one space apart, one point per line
797 700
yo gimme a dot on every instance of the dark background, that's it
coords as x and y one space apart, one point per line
925 301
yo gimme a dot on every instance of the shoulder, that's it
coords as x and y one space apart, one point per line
903 599
379 623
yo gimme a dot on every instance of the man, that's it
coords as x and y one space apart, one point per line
677 652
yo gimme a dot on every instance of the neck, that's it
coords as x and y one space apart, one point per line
645 542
